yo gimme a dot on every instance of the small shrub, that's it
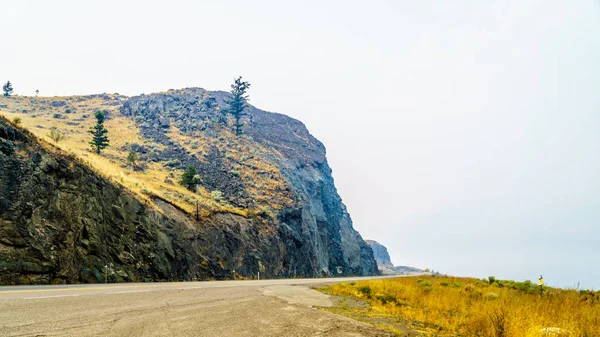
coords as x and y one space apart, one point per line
444 284
217 195
424 283
384 299
490 296
457 285
526 287
133 159
491 279
55 135
173 163
57 104
266 212
17 120
481 284
365 290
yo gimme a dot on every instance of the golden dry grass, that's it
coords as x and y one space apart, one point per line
262 179
446 306
37 114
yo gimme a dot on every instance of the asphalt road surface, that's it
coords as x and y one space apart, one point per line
221 308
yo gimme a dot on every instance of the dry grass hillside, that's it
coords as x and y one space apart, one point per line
73 116
447 306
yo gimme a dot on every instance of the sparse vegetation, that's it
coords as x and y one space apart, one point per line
99 133
55 135
217 196
442 306
261 178
133 158
17 120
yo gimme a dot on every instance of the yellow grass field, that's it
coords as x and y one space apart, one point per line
43 115
447 306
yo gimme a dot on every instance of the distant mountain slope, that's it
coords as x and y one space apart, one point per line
266 202
384 263
380 253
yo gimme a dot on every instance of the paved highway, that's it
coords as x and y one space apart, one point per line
285 307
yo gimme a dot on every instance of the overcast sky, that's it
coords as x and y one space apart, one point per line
463 135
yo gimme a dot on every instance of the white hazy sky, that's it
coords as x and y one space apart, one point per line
463 135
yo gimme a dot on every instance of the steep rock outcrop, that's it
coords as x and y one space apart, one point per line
61 222
381 254
384 263
319 220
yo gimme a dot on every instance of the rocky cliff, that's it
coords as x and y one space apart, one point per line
384 263
266 200
382 257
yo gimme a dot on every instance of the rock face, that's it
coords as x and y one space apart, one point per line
380 253
319 222
385 265
60 222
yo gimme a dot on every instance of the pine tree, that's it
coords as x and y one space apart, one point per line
8 89
238 102
99 133
188 179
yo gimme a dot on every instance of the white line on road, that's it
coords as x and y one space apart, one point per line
96 293
107 289
55 296
127 292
